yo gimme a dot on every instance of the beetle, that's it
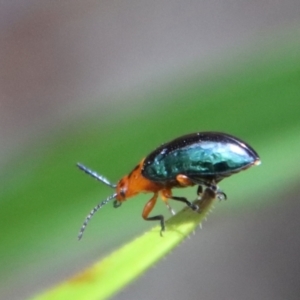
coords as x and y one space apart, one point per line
202 159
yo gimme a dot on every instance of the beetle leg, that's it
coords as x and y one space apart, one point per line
168 194
219 193
148 208
200 191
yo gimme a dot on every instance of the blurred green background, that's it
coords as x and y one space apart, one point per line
112 118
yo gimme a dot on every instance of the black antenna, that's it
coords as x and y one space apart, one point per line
95 175
93 211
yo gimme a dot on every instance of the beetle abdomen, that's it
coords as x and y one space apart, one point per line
200 155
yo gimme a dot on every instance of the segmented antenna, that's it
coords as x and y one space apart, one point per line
93 211
95 175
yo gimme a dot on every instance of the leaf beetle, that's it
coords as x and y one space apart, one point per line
202 159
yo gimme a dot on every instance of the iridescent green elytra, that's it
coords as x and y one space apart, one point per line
202 156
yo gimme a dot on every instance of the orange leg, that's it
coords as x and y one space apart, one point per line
148 208
166 193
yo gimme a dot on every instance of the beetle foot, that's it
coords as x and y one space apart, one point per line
194 207
221 195
218 192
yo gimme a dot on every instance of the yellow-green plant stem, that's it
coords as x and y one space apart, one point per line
118 269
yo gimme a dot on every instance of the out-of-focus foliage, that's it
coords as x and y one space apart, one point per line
44 198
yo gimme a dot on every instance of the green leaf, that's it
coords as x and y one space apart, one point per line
131 260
